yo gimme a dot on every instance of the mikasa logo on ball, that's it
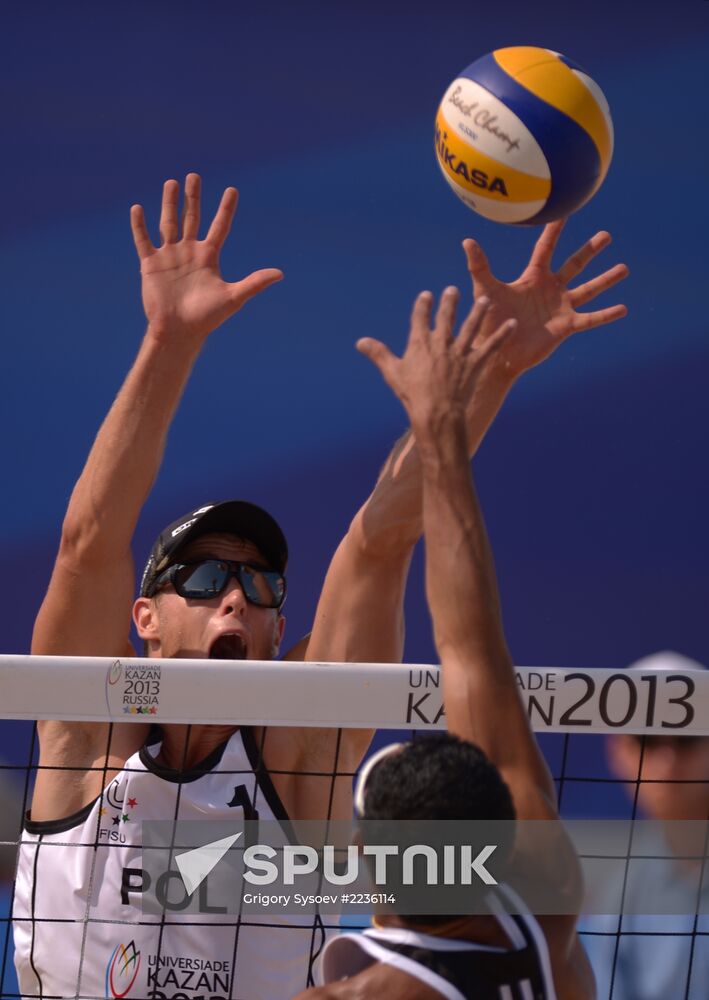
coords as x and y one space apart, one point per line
462 169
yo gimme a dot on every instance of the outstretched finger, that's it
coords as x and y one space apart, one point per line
221 224
421 317
378 353
575 264
141 237
495 340
168 213
471 325
253 284
190 215
445 315
477 261
546 244
588 321
585 293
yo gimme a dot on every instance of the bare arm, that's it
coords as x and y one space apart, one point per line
87 608
481 698
360 613
480 692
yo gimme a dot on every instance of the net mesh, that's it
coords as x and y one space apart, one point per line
623 949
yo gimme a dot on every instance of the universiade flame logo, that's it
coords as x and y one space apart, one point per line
114 672
113 676
122 970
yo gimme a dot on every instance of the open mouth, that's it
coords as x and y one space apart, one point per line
228 647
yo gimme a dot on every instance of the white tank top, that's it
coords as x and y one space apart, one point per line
79 927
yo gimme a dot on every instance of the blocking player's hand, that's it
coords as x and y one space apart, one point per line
436 375
545 308
184 294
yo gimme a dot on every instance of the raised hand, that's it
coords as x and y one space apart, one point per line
435 377
184 294
540 300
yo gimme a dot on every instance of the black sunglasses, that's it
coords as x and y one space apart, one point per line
201 581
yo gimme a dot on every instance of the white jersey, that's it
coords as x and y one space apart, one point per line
80 931
456 969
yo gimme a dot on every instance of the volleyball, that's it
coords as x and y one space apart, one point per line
524 136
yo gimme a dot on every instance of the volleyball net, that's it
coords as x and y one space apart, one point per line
619 745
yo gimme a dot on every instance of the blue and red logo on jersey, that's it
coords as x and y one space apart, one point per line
122 970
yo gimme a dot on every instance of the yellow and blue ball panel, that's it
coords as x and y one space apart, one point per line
523 135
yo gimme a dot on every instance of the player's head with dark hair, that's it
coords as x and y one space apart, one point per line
436 777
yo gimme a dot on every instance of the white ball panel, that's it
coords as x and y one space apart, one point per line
500 211
600 99
482 121
497 211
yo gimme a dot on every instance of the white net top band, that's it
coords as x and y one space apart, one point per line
347 695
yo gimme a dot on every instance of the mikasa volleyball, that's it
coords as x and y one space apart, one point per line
524 135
